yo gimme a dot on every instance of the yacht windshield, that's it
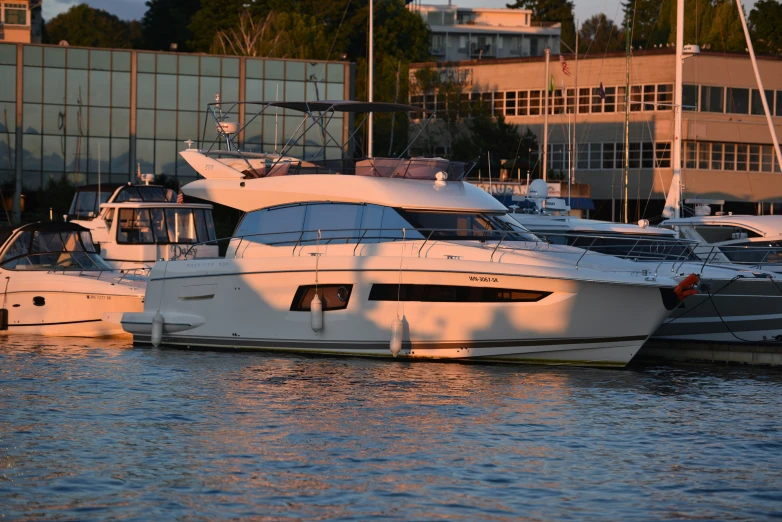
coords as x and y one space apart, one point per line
44 250
367 223
462 225
165 225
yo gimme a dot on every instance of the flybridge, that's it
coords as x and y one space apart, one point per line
223 159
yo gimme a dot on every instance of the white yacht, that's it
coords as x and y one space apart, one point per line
55 283
400 260
735 304
753 241
136 225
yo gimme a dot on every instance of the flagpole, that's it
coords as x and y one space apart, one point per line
575 120
546 52
627 119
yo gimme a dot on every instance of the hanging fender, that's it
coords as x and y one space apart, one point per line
687 287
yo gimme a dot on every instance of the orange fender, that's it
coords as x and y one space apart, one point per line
687 287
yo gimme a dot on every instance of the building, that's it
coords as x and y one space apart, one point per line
61 108
728 152
20 21
460 33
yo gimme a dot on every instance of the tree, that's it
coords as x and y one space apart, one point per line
599 34
765 21
650 22
552 11
85 26
166 22
277 35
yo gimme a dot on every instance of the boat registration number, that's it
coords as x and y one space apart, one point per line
484 279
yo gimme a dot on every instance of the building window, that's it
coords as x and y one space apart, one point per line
690 154
662 152
438 44
620 99
595 155
779 104
741 157
597 101
510 103
649 97
636 93
610 101
664 97
716 156
521 103
534 103
738 101
690 97
499 102
533 46
730 156
647 155
15 14
608 156
619 156
703 156
711 99
757 103
767 153
583 157
754 158
635 155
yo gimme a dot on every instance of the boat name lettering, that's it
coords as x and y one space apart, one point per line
209 166
99 297
484 279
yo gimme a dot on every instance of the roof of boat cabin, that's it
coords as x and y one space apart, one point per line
104 187
768 226
409 194
155 204
41 226
578 225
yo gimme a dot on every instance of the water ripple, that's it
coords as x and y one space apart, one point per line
94 430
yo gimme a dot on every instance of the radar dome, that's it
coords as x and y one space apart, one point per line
538 189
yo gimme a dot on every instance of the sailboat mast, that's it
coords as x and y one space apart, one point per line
626 180
370 84
547 52
574 148
774 138
676 180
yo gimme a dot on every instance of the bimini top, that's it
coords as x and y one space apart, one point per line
253 194
763 226
86 202
335 105
49 246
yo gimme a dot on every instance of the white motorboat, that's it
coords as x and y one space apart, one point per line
421 268
735 305
752 241
55 283
134 226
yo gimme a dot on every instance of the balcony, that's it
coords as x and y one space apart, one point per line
481 51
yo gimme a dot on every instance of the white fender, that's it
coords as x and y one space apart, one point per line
397 330
157 329
316 314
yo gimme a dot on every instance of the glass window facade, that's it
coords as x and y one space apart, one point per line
137 108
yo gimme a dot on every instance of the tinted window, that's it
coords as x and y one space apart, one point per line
452 294
338 221
134 226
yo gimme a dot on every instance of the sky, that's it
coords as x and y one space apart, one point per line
134 9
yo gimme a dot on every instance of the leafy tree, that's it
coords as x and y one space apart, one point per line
277 35
166 22
765 21
650 22
552 11
712 25
599 34
85 26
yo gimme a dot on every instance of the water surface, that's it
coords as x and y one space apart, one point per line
92 430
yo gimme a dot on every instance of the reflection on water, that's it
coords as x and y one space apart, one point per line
98 429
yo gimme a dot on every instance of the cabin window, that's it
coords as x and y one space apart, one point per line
109 217
718 234
134 226
452 294
333 297
159 225
181 226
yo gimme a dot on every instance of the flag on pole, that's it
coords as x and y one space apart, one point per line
562 62
602 92
551 83
180 198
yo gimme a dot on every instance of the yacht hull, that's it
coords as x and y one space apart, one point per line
67 314
237 306
740 311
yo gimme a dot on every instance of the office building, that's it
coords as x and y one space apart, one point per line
461 33
20 21
61 108
728 152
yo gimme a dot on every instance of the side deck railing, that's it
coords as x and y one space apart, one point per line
498 242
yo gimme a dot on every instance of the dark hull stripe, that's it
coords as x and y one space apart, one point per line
396 271
56 324
371 345
718 327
